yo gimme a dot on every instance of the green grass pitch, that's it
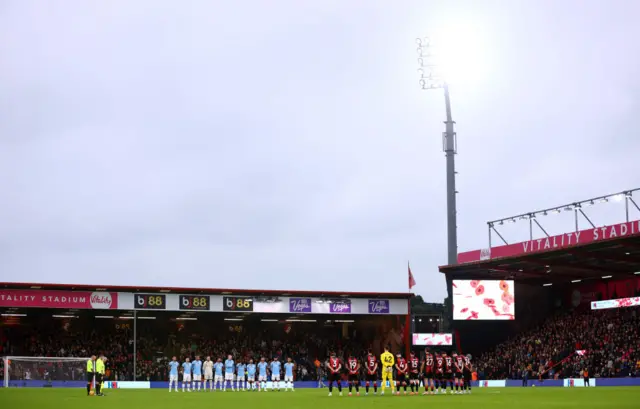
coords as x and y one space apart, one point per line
486 398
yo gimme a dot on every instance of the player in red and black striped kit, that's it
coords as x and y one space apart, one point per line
371 372
467 373
458 368
353 368
335 367
448 372
401 373
414 373
440 374
428 369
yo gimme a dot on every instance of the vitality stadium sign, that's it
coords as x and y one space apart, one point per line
58 299
558 242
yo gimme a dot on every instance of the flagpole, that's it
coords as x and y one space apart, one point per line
407 324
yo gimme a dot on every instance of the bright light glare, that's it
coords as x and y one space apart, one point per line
461 53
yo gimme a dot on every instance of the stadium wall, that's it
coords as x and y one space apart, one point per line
313 384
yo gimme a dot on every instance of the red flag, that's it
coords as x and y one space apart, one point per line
412 280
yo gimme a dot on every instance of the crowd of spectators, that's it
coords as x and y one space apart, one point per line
605 343
307 344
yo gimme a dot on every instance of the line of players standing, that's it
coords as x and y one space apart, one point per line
436 371
238 375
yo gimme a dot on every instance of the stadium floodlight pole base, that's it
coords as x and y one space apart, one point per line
32 362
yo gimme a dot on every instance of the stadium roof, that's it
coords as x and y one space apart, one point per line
609 252
186 290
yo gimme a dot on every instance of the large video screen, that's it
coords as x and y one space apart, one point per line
483 300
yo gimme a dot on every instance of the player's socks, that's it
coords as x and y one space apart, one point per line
330 387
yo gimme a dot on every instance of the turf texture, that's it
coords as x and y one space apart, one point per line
489 398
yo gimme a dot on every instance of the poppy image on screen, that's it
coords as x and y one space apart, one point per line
483 300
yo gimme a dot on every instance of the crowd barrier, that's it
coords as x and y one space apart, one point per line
314 384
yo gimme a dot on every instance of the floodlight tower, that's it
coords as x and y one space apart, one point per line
431 79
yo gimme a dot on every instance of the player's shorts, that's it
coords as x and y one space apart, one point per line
440 376
228 377
371 377
275 378
401 377
173 378
428 375
262 378
186 378
458 375
414 376
240 378
90 376
334 377
197 378
466 374
251 378
99 377
288 378
208 376
448 376
353 377
218 378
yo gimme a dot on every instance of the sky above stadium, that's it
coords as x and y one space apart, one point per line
286 145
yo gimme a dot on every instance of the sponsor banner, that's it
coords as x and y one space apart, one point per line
578 383
561 241
492 384
59 299
617 303
300 305
432 339
378 306
340 306
127 385
268 305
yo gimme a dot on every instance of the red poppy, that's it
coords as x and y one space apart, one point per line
480 290
504 286
474 283
489 301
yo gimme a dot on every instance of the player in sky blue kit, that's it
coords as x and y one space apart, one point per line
197 373
186 374
262 375
288 375
218 379
275 374
251 375
241 382
229 370
173 373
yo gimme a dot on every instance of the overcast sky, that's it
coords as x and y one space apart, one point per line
287 145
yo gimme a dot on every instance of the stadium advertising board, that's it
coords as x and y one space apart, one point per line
617 303
432 339
483 300
270 304
558 242
59 299
199 302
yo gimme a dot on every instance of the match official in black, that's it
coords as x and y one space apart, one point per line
91 373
